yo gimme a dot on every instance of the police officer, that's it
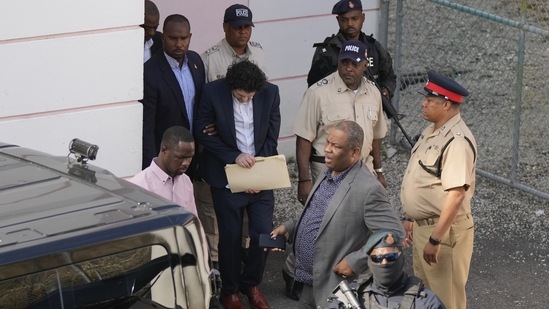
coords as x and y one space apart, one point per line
350 19
236 46
436 193
343 95
389 286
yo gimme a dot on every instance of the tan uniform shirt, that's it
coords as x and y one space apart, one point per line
220 56
423 194
329 101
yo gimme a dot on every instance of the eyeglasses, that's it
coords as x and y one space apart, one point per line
390 257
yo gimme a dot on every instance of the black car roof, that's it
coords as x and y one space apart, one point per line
48 205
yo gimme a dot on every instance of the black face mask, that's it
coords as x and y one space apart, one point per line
387 275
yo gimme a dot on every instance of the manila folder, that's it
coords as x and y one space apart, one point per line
267 173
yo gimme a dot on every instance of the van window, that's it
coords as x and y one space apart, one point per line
117 280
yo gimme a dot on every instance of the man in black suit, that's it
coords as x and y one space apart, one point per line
173 82
245 110
153 38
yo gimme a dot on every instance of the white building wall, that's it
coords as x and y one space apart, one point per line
73 68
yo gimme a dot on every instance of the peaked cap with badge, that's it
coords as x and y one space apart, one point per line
442 86
344 6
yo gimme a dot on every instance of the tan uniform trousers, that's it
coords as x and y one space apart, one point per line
206 214
448 277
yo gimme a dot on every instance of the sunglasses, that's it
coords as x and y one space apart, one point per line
390 257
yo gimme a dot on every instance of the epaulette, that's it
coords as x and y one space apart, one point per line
370 81
370 38
255 44
324 44
212 50
457 132
322 82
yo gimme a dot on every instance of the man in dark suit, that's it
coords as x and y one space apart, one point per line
347 203
245 109
173 82
153 38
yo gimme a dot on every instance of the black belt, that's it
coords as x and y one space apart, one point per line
317 159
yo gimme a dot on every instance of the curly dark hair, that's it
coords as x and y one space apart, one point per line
245 75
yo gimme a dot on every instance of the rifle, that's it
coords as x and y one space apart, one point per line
388 107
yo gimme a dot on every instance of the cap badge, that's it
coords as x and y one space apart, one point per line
241 13
351 48
351 5
389 239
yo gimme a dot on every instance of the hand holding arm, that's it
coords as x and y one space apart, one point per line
210 129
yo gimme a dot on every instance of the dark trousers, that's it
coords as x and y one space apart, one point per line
237 272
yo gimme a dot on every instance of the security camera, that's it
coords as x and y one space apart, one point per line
83 151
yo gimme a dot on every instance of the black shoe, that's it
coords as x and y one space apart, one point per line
293 288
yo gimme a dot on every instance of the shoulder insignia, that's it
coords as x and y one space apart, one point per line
325 45
255 44
212 50
457 131
322 82
370 38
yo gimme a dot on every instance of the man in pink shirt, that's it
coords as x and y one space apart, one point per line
166 174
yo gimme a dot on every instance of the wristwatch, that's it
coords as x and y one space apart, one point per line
378 170
434 242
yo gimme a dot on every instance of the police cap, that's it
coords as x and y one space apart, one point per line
238 15
383 239
344 6
442 86
353 50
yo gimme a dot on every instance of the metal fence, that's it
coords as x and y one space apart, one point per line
499 51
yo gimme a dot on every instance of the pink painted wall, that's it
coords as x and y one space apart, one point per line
206 17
